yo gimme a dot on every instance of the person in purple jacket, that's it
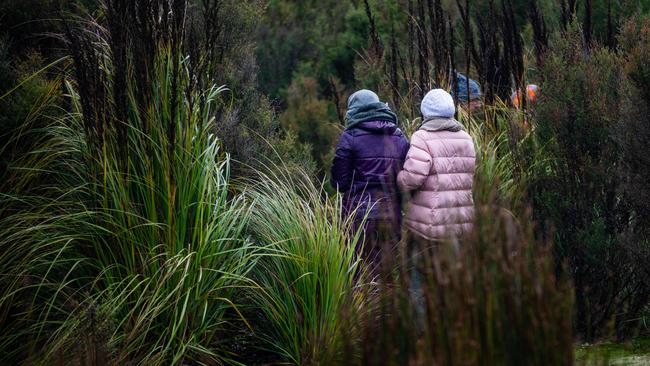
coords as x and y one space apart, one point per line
368 158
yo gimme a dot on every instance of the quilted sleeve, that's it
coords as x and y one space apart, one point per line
417 166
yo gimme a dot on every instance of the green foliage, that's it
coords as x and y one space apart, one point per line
339 59
307 54
633 353
149 273
633 138
310 119
579 120
129 238
26 96
308 275
294 156
31 25
247 125
495 165
317 38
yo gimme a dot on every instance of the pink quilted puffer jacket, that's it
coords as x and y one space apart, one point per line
439 171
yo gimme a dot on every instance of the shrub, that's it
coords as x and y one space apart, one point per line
578 119
634 134
633 137
489 299
310 119
247 125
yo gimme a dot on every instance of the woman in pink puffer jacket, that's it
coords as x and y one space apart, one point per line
439 172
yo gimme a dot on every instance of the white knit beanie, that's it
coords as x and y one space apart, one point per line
438 103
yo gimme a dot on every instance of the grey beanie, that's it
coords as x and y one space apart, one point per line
364 106
362 97
438 104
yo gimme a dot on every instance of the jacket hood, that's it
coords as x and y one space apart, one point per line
384 127
365 106
438 104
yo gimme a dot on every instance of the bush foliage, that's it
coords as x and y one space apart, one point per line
580 120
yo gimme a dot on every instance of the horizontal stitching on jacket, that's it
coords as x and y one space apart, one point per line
448 190
450 207
425 235
466 173
453 173
449 138
362 132
435 208
443 208
376 158
416 173
455 157
414 158
460 135
428 223
434 174
417 147
434 225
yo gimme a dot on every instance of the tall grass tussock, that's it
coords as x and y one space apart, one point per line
310 275
128 245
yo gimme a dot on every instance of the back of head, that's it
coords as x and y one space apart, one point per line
532 91
361 98
463 93
438 104
365 106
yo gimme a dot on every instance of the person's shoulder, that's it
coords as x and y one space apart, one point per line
465 135
398 132
346 138
353 132
346 134
421 135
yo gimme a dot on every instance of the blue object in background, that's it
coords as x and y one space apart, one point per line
461 90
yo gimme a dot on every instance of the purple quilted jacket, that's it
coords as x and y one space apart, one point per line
367 161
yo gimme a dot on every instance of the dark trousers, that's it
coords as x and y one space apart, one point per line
378 244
